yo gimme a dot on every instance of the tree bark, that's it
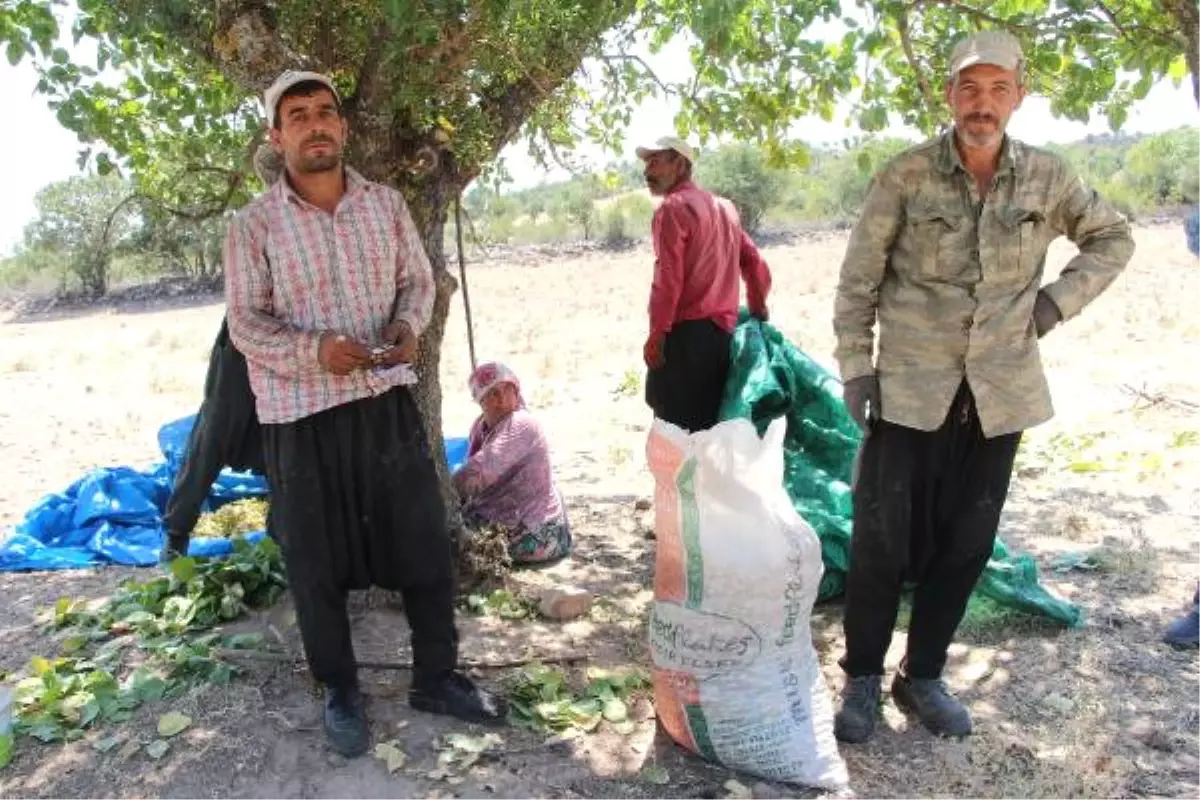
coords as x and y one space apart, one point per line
1187 16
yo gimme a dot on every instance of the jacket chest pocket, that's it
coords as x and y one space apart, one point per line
1021 254
938 241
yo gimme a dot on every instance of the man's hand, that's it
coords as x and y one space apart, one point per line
403 343
862 399
761 314
652 351
1046 315
341 355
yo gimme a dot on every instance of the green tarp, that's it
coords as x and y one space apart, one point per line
769 378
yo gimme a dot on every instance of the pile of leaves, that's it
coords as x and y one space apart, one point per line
501 603
484 563
541 699
233 519
151 640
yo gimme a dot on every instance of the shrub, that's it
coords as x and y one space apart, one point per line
740 173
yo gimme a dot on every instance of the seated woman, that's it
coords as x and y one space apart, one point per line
506 480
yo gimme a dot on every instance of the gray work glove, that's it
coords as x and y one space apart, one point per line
862 399
1046 315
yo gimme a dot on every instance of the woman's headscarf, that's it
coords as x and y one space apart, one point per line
490 375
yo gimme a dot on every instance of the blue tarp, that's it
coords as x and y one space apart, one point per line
114 515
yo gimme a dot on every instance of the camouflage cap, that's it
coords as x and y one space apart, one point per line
999 48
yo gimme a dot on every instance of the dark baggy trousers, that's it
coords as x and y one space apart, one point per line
226 434
687 389
926 507
357 503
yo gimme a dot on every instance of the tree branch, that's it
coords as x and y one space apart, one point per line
366 81
918 70
971 11
247 46
507 108
1187 17
609 58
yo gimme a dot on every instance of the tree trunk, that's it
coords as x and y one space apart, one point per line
429 388
1187 16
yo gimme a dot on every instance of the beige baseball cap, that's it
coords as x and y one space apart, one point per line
999 48
286 81
667 143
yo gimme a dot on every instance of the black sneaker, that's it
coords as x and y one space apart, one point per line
856 719
346 721
1185 631
175 545
456 695
933 704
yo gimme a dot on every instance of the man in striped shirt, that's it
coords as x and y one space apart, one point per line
328 287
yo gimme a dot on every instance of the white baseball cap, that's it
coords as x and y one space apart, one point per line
668 143
286 81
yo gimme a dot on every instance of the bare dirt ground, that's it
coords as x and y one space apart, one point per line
1102 711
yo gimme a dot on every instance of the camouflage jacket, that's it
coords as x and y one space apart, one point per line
952 281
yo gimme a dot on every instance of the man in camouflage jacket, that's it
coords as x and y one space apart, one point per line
947 259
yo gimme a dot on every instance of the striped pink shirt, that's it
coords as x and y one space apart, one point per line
293 271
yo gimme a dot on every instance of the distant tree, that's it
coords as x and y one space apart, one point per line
87 219
579 206
741 174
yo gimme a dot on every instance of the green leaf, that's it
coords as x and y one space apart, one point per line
106 744
615 711
6 749
158 748
46 731
391 755
244 641
173 723
15 52
89 712
1178 69
472 744
183 569
653 773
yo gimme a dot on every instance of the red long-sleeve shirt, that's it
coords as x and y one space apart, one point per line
700 253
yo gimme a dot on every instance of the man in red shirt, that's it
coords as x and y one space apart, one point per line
701 254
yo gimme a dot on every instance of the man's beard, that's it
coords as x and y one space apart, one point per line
981 138
311 163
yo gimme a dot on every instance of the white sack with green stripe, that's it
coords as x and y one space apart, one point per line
736 678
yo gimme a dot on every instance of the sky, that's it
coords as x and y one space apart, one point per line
40 151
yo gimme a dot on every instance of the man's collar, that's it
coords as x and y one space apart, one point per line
354 184
948 159
686 183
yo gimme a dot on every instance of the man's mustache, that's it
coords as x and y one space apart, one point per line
982 117
319 138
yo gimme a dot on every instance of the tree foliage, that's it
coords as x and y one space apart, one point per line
454 81
434 89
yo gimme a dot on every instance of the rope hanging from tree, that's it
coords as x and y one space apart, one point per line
462 275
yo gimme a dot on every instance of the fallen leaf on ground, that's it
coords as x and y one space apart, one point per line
391 755
655 774
173 723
